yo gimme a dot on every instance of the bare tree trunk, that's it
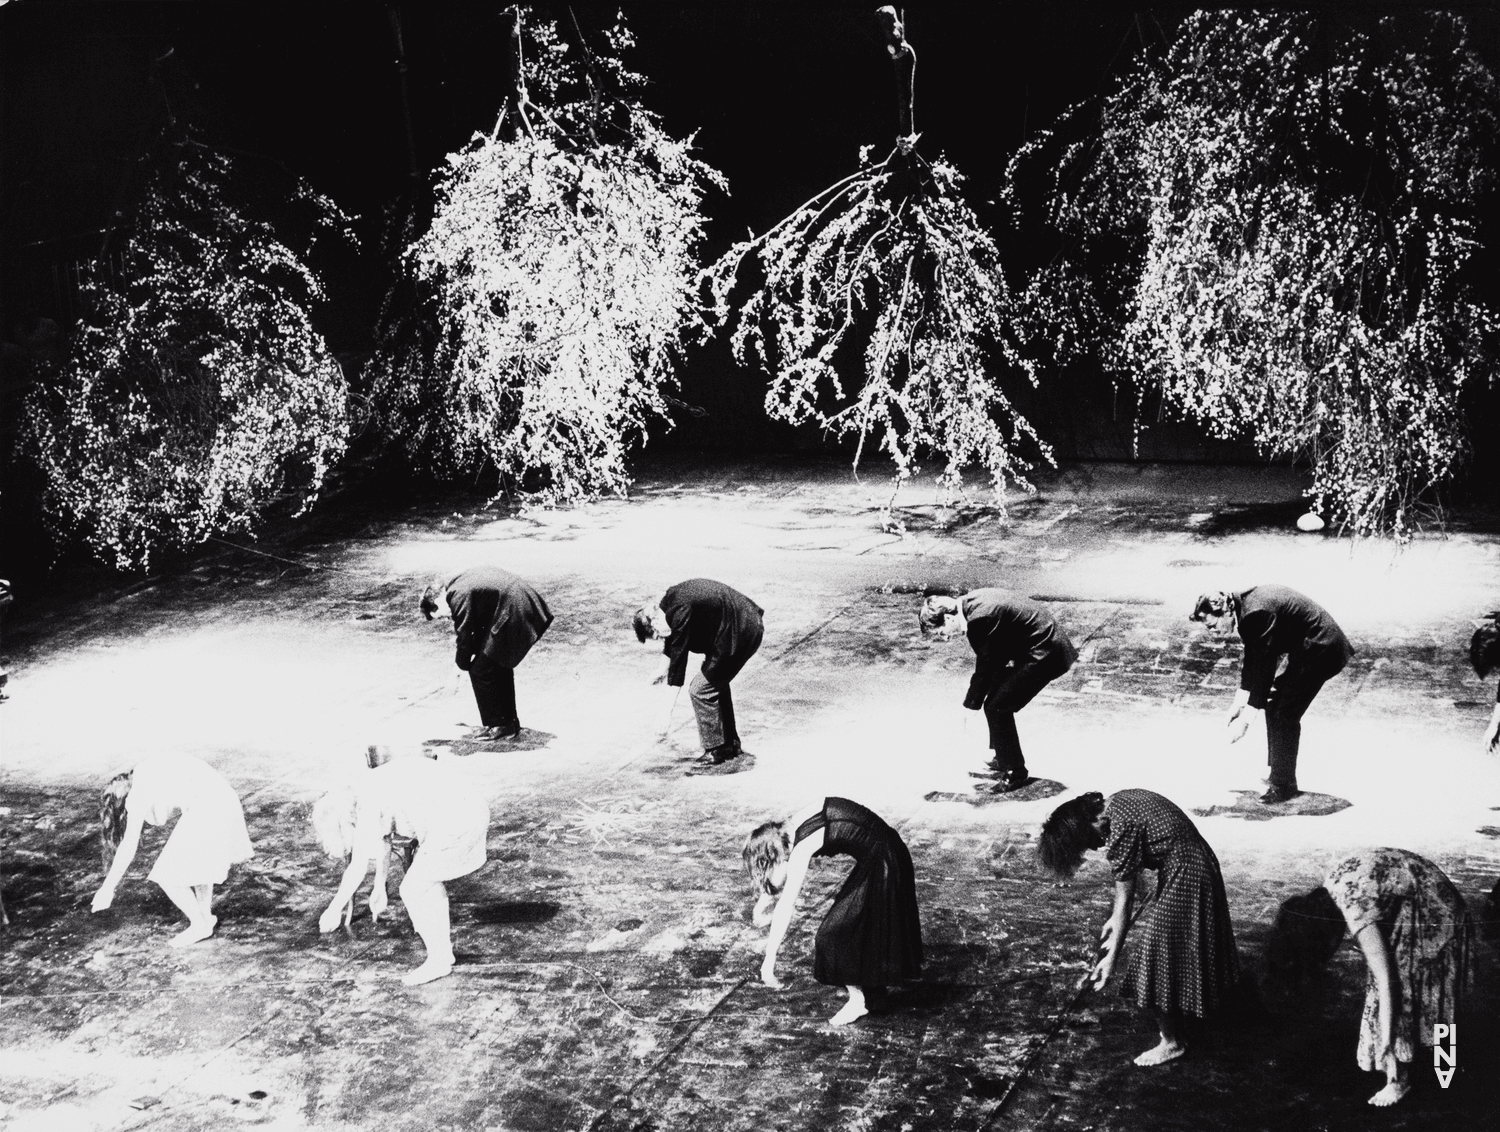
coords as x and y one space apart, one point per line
516 100
904 60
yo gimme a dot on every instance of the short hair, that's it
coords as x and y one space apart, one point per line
1484 646
767 846
113 814
935 612
432 593
641 622
1211 605
1307 931
333 819
1069 833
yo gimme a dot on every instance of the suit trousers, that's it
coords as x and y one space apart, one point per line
1018 688
495 692
713 707
1291 694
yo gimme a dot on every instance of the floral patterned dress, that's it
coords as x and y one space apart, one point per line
1427 926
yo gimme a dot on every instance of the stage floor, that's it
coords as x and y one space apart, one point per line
607 965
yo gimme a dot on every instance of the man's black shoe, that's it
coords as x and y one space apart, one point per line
717 756
1010 780
1278 794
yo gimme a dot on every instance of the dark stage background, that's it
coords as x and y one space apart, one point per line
781 96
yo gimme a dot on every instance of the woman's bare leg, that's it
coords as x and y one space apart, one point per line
427 904
854 1009
1171 1046
200 921
1396 1084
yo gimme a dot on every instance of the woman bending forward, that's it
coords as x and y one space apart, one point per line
412 798
1184 961
872 936
208 838
1416 935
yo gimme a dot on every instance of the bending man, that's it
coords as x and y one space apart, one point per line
1276 621
497 617
724 625
1003 629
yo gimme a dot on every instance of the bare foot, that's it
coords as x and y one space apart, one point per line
852 1012
194 933
1393 1092
429 971
1161 1053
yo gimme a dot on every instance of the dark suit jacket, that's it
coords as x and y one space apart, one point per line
709 617
496 615
1005 627
1276 621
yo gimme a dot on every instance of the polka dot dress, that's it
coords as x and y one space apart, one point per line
1182 953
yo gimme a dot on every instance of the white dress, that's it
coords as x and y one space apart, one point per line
209 836
428 801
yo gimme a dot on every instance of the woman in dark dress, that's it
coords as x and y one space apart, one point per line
1184 961
872 935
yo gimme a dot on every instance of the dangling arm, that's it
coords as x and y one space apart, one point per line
368 843
1383 971
781 919
1112 935
124 855
1492 732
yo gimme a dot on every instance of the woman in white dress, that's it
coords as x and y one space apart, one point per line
414 798
209 836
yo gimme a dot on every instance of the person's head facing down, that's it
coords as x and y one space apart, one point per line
1070 832
940 616
650 623
434 598
1216 611
333 820
112 815
1484 646
1307 931
766 853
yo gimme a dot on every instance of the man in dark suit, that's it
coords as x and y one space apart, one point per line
1275 622
1018 650
708 617
497 617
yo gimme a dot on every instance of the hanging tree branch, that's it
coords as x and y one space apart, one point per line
555 284
1297 198
888 255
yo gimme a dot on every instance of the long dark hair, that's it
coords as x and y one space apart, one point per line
112 815
1484 646
766 847
1069 833
1307 931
